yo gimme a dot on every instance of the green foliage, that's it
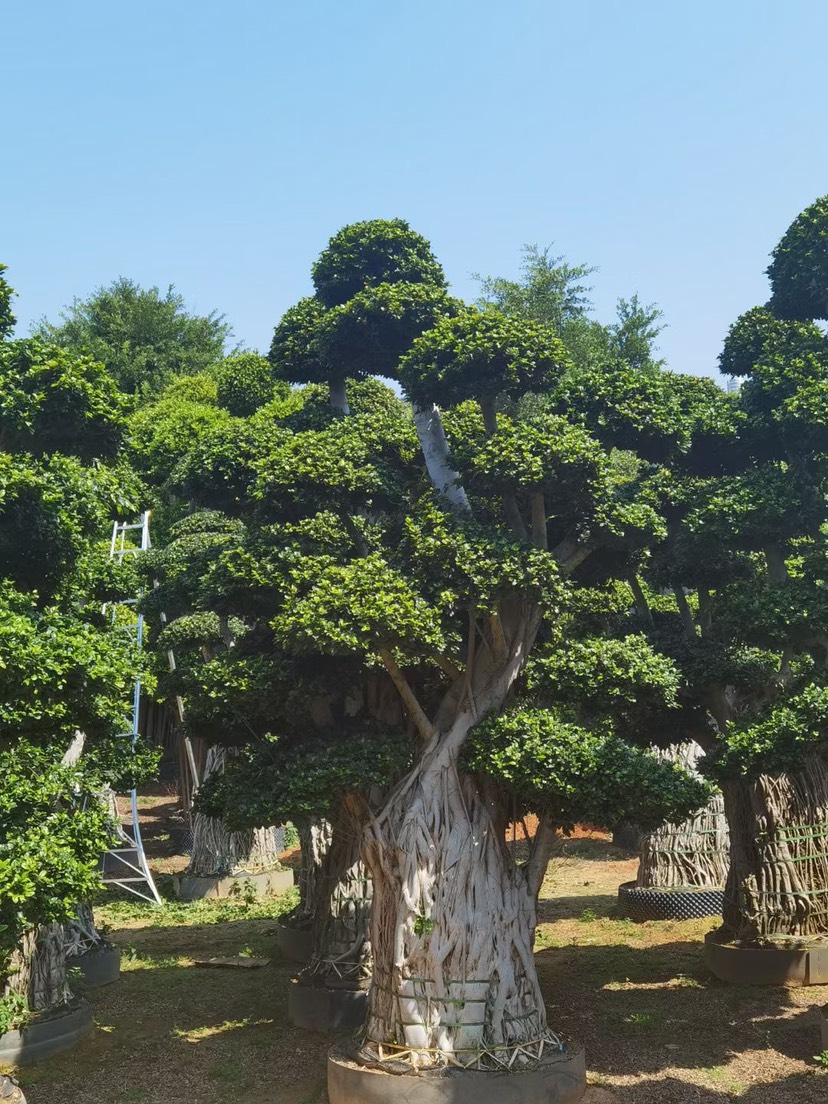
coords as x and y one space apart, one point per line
364 254
795 724
245 381
279 780
481 355
145 338
799 267
574 774
54 401
7 319
50 840
66 669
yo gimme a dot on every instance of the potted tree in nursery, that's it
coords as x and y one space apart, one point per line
65 673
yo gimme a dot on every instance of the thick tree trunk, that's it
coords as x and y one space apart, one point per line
341 912
38 969
220 852
314 841
452 931
777 888
694 852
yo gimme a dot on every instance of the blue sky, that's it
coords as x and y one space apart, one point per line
218 145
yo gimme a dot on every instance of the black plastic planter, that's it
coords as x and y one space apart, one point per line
46 1035
686 903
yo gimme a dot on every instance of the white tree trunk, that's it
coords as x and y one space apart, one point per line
38 969
695 852
314 841
452 931
220 852
341 912
432 436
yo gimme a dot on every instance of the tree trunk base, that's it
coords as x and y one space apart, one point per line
559 1078
323 1008
742 964
681 903
269 883
98 967
295 944
46 1035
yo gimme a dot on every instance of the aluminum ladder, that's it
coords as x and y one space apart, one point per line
125 865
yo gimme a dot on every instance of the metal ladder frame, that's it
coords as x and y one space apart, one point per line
129 835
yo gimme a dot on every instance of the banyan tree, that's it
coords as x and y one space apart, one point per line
424 550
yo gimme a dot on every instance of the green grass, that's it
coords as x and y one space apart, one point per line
175 913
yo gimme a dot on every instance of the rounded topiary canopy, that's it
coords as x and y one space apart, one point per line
293 352
245 381
799 267
367 335
481 354
380 251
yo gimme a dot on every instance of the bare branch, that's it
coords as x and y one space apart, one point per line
415 710
444 478
705 610
498 637
640 600
539 858
684 611
513 518
570 553
446 665
338 396
540 537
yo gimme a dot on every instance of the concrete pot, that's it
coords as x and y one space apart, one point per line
823 1025
99 967
46 1035
319 1008
653 903
295 944
741 965
268 884
557 1079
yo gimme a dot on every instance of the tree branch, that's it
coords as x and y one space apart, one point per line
570 553
513 518
498 637
539 857
415 710
705 610
444 478
540 537
777 571
338 396
640 600
445 664
684 611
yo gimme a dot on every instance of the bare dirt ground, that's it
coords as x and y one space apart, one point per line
657 1027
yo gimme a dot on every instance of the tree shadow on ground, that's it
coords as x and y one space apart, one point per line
800 1088
644 1010
169 1031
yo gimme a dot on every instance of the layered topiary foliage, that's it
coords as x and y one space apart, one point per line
733 593
65 668
389 572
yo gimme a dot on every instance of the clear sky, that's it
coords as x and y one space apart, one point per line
217 145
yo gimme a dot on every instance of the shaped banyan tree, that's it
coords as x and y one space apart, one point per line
682 867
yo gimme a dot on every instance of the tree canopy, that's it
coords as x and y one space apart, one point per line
144 337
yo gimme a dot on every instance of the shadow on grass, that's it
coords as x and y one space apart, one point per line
800 1088
169 1031
641 1010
